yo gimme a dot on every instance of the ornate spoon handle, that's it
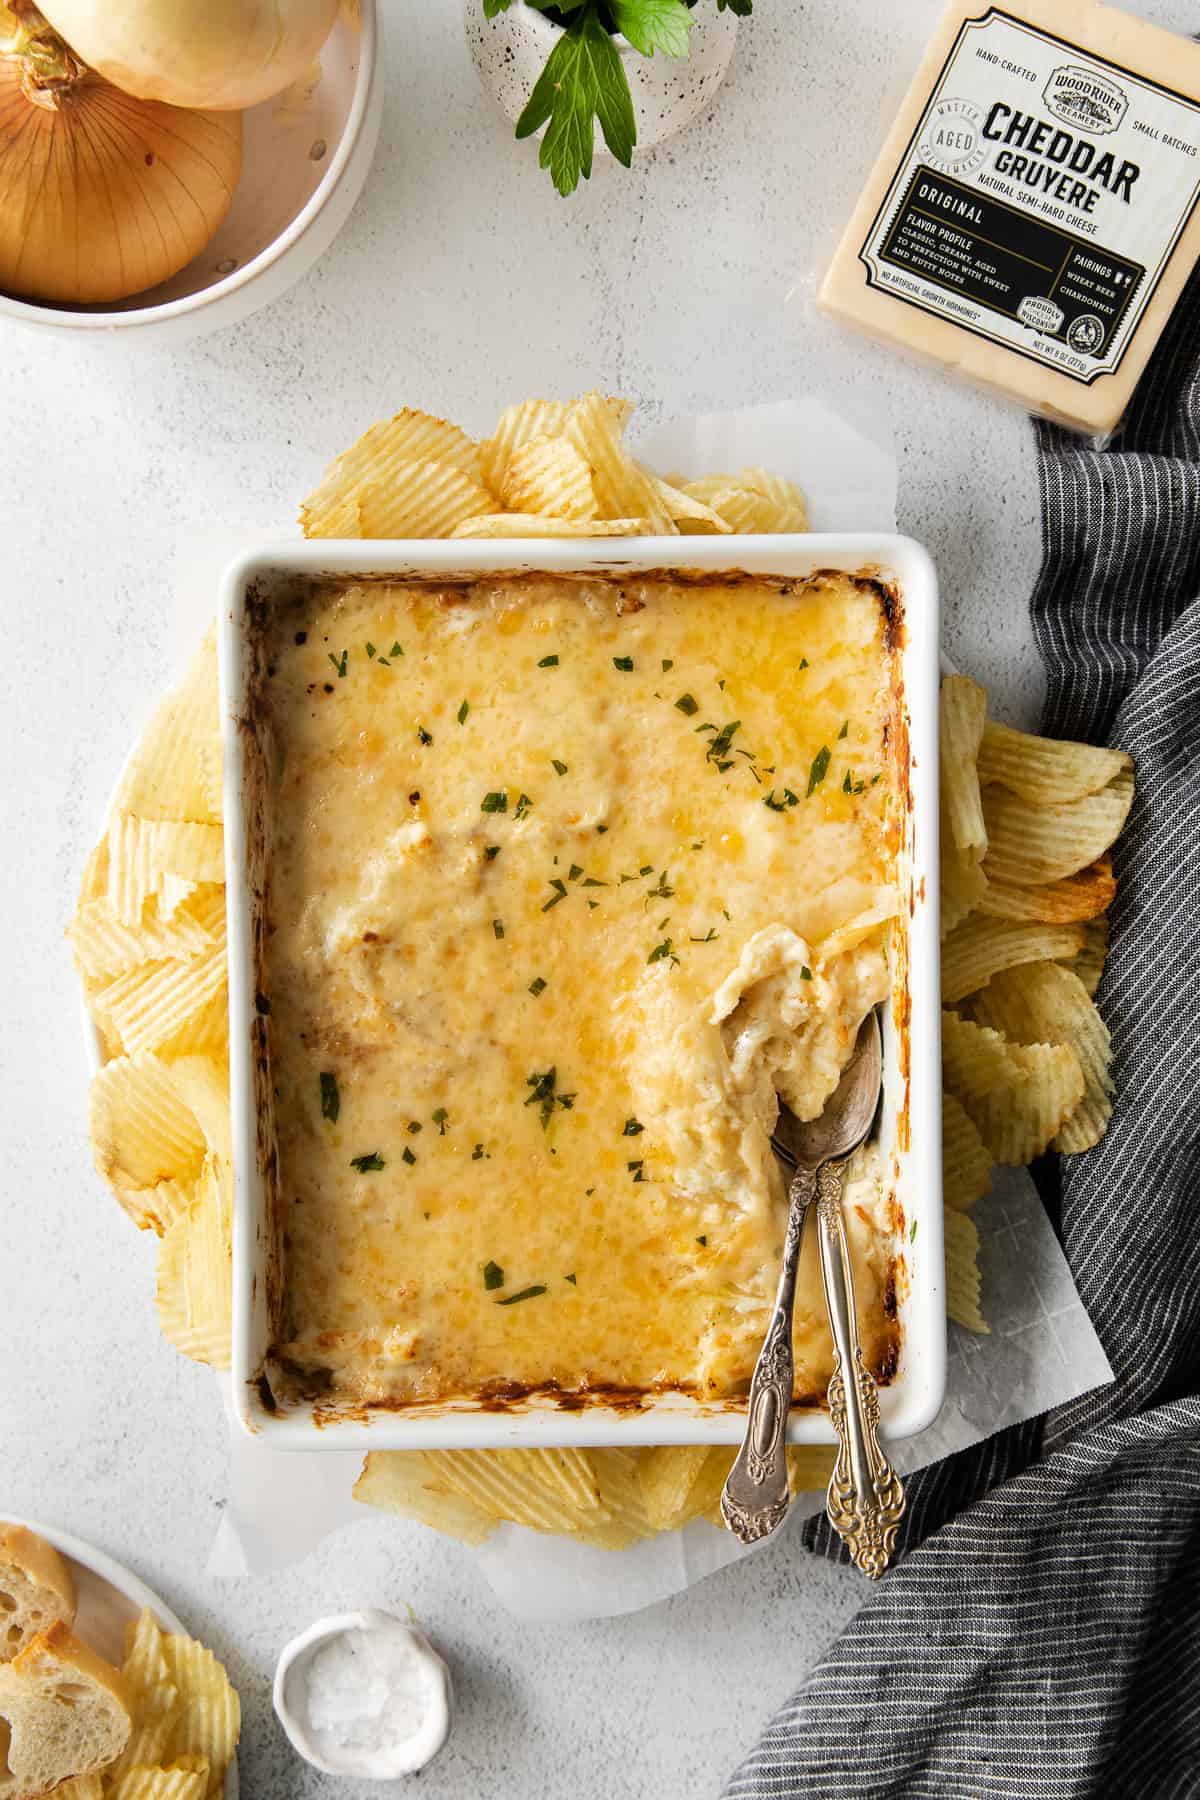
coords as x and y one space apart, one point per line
756 1492
866 1498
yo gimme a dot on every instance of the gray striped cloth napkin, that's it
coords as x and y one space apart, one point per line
1040 1639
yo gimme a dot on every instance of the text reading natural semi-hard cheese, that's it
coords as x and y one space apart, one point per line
1037 208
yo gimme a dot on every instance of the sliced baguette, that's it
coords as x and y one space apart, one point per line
64 1712
36 1589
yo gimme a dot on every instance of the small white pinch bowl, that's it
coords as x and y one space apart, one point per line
306 155
417 1752
510 53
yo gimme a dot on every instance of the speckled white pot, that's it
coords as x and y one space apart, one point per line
510 52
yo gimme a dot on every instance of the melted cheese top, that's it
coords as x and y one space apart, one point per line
567 880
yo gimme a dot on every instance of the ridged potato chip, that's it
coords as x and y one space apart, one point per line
540 525
420 500
966 1165
185 1779
401 1481
616 1474
810 1467
147 1747
1089 964
548 475
154 1208
980 947
375 458
1017 1123
143 851
203 1085
145 1666
142 1131
779 504
103 946
623 490
157 1005
963 885
195 1272
210 1717
517 425
962 710
688 511
83 1787
511 1484
169 775
975 1059
1032 845
207 1033
962 1272
667 1477
1048 1004
1078 897
1046 771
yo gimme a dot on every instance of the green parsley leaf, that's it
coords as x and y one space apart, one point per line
820 768
662 952
912 1236
806 973
636 1169
339 663
847 783
364 1164
560 768
397 649
414 1125
574 872
600 830
774 804
494 803
491 8
548 662
652 25
463 710
407 1155
623 662
594 881
740 8
662 891
493 1275
522 807
331 1099
571 1279
583 80
537 986
632 1128
844 732
709 937
370 648
492 852
529 1293
498 928
441 1119
803 663
668 662
560 893
687 704
702 1240
478 1153
423 736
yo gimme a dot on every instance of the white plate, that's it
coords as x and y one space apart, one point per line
109 1597
912 1400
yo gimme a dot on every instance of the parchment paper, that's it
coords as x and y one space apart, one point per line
1042 1349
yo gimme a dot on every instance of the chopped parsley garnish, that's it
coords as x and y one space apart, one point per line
594 881
370 648
529 1293
636 1169
463 710
494 803
498 928
537 986
847 783
340 662
721 684
571 1279
364 1164
522 807
414 1125
663 890
774 804
491 852
845 731
423 736
331 1099
441 1119
560 893
493 1275
574 872
560 768
632 1128
662 952
397 649
646 869
820 768
708 938
803 662
407 1155
687 705
718 751
668 662
876 778
545 1095
548 662
383 663
912 1236
478 1153
600 830
806 973
702 1240
623 662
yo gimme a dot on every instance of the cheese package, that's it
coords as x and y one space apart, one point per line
1035 212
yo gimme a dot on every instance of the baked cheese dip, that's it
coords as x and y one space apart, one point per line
567 879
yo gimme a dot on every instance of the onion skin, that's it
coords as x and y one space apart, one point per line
102 195
213 54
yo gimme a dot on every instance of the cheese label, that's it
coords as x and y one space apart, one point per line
1040 197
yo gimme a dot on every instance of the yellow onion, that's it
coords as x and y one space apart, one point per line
101 195
207 53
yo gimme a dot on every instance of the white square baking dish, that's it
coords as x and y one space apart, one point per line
910 1125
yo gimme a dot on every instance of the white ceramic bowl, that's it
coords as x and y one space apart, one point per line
910 1126
306 157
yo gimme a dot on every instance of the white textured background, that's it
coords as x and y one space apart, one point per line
461 282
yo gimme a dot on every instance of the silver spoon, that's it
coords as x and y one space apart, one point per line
866 1500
